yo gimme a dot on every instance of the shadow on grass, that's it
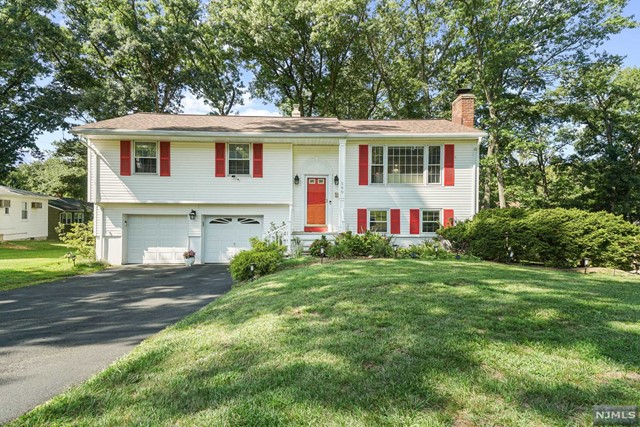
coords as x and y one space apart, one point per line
382 342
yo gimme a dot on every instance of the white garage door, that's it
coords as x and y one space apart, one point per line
225 236
156 239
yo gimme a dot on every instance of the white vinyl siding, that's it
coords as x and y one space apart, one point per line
193 177
461 197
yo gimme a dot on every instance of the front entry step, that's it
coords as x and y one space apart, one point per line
307 238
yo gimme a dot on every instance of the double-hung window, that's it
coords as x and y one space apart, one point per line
66 218
239 159
25 210
378 221
377 165
146 157
430 221
78 217
434 167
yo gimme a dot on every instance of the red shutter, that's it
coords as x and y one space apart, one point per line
362 220
447 220
414 221
220 160
395 221
449 165
165 158
257 160
125 158
363 164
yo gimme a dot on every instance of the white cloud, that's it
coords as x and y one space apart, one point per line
251 107
194 105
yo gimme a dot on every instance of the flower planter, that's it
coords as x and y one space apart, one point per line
189 261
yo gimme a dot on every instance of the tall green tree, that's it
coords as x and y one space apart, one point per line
31 102
516 50
602 102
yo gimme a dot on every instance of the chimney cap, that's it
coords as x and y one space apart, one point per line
296 110
464 91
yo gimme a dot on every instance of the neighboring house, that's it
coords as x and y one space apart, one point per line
23 214
165 183
67 211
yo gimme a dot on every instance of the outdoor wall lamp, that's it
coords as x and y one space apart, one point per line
296 180
336 180
192 215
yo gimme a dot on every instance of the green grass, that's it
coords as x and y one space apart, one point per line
30 262
380 342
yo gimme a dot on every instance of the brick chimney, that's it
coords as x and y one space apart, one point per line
463 107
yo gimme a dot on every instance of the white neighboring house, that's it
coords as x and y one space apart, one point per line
23 214
165 183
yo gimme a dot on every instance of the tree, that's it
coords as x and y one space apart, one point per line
516 50
601 100
30 101
297 50
63 174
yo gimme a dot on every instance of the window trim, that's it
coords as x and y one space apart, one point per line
228 159
388 211
430 233
133 158
24 209
425 165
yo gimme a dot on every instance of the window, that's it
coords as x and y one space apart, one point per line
6 211
66 218
239 159
377 165
146 157
405 165
378 221
430 221
36 205
25 210
434 165
78 217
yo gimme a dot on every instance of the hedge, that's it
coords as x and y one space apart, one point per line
265 256
553 237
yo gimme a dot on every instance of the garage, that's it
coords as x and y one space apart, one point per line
156 239
225 236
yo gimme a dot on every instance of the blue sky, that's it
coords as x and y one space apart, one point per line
626 44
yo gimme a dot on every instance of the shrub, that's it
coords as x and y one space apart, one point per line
79 236
319 244
553 237
266 256
339 251
366 244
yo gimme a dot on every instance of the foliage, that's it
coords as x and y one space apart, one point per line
316 247
366 244
80 238
555 237
52 176
264 256
297 247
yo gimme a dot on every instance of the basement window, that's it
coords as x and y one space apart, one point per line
430 221
378 221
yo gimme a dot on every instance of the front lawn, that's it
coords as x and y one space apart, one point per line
382 342
29 262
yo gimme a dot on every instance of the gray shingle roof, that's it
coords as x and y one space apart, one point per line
4 190
68 204
281 125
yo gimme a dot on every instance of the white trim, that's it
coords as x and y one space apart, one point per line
440 213
245 175
133 158
277 135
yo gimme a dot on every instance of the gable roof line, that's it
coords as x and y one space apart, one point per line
9 191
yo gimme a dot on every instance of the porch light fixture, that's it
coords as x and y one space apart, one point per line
336 180
395 250
192 215
296 180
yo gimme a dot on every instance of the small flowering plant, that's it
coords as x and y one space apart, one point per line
189 254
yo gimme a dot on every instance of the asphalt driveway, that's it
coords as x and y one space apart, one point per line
58 334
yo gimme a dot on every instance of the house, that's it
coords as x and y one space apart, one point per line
165 183
67 211
23 214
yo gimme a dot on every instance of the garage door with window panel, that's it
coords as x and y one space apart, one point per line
225 236
156 239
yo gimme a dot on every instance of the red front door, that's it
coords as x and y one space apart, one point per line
316 204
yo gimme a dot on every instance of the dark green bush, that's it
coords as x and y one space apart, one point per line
318 244
266 256
553 237
366 244
339 251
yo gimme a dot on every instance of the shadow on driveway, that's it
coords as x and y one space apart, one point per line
57 334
